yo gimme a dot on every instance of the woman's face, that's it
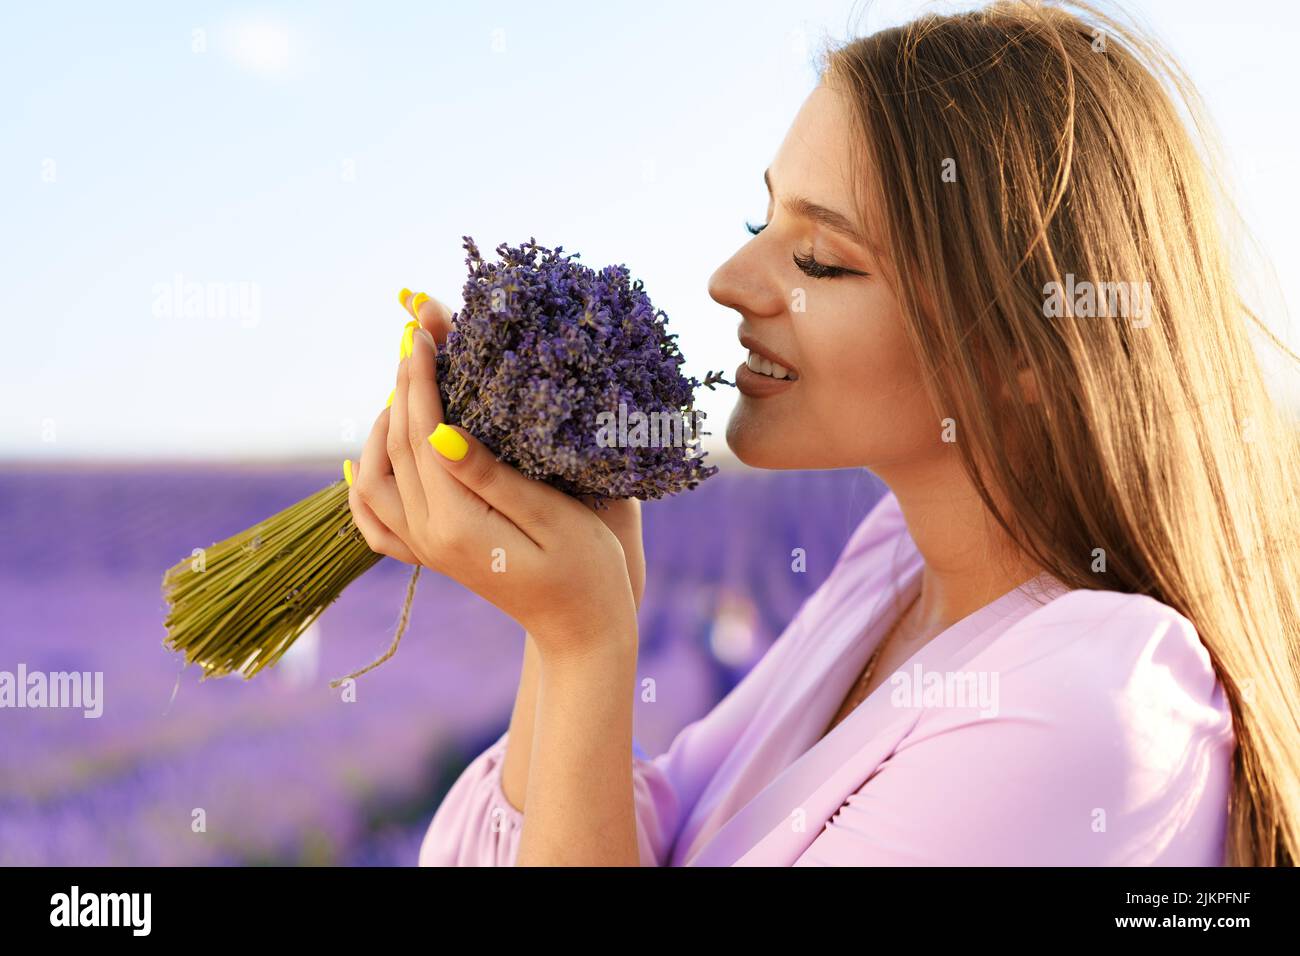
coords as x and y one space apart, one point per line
853 395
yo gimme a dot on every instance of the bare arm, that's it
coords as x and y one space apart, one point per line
581 808
445 500
624 519
519 742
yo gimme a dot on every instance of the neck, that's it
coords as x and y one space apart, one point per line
969 559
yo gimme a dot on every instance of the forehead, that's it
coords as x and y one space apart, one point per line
814 159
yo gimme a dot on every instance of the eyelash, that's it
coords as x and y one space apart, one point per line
807 264
811 267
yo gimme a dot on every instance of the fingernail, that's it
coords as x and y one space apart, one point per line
408 339
448 443
391 395
404 296
347 471
419 300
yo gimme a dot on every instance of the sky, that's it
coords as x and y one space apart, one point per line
207 209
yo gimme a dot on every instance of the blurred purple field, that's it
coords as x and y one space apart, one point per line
284 770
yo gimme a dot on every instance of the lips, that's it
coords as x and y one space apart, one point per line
764 372
757 385
764 359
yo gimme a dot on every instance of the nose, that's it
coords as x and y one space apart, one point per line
745 284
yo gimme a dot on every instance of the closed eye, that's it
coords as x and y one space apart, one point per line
808 264
819 270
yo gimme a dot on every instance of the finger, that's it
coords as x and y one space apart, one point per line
405 296
621 515
433 316
373 452
406 473
533 507
465 520
379 538
373 483
424 414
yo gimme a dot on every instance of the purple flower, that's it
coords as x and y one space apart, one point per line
570 375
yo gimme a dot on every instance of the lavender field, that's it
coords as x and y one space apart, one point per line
280 769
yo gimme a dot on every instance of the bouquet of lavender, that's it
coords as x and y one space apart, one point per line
567 373
550 361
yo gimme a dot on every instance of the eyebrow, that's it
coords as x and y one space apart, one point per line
807 209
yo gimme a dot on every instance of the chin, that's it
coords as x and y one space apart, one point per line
759 447
778 443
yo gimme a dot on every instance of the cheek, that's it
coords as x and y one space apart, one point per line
860 402
867 389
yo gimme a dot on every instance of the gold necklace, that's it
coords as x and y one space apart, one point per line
856 691
865 679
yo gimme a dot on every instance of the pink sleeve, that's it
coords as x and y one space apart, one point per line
1111 745
477 826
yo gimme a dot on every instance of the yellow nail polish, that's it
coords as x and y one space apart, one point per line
419 300
391 395
408 339
347 471
448 442
404 296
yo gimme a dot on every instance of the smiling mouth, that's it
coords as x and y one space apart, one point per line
760 384
764 366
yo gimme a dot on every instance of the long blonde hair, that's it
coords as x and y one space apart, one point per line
1017 146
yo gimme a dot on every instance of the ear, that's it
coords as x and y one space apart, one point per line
1026 381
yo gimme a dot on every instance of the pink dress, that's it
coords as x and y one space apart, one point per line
1050 727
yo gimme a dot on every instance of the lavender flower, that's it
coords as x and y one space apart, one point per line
547 349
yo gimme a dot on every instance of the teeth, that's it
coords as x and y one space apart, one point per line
762 366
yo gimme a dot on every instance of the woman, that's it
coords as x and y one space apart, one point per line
990 273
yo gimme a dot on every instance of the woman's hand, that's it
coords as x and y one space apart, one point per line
623 517
430 493
435 318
